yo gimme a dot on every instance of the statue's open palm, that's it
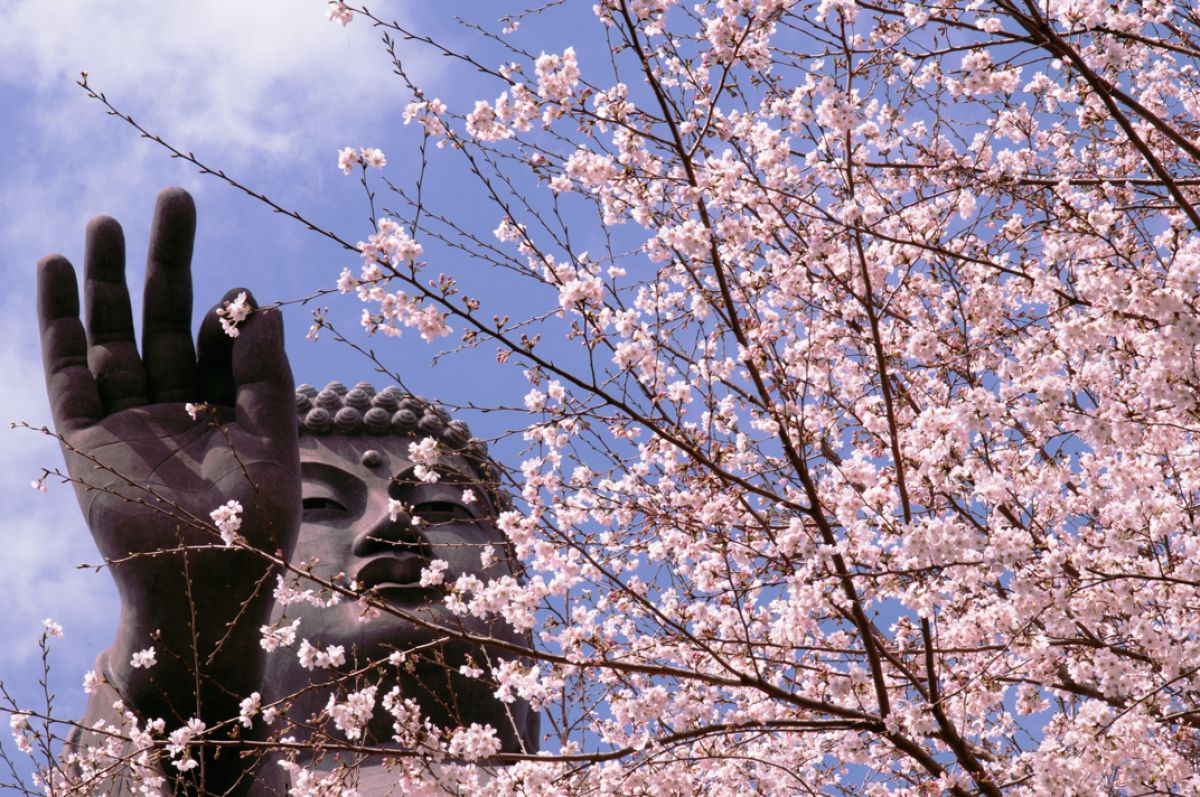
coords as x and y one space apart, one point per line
147 474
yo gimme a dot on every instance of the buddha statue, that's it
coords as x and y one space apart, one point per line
357 509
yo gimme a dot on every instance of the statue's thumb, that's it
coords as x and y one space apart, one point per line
265 391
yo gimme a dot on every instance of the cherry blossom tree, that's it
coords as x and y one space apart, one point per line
861 429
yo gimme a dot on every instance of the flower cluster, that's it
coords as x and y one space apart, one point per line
428 113
126 753
179 746
372 158
425 454
340 13
232 314
228 519
278 635
351 715
18 724
248 709
384 253
144 659
474 742
312 657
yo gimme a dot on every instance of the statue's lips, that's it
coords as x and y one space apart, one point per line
392 570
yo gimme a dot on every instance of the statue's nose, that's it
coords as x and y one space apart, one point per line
398 534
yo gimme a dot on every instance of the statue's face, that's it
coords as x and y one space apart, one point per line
346 529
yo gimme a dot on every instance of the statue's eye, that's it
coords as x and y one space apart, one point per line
441 512
318 502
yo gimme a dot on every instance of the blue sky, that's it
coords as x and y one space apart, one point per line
268 91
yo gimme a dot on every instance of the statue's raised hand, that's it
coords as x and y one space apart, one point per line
147 474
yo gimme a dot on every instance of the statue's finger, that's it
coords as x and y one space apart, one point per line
167 348
266 393
214 354
112 354
74 399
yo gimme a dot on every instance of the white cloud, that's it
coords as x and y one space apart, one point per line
272 76
252 85
258 88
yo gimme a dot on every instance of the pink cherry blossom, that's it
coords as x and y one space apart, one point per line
474 742
233 313
228 519
144 658
348 158
339 12
857 447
